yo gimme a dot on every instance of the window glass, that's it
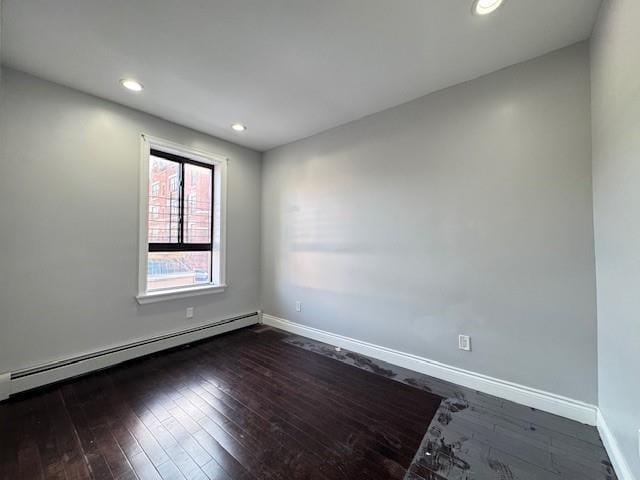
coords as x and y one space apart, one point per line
177 269
164 208
197 208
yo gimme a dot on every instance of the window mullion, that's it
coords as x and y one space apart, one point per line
181 221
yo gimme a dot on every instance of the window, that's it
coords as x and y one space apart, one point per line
173 183
182 222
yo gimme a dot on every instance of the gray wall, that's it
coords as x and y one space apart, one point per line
69 223
466 211
615 100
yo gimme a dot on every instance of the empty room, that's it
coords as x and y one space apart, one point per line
320 239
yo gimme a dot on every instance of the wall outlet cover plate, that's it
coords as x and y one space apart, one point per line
464 342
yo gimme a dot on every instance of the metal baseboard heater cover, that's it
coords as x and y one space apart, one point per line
109 351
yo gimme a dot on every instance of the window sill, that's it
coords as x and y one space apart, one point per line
177 293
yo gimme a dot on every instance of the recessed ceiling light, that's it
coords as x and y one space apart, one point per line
238 127
131 84
485 7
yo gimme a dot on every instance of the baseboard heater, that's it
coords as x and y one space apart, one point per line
28 378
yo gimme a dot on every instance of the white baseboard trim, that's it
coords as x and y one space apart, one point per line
622 468
531 397
5 385
79 365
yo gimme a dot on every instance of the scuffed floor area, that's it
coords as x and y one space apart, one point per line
475 436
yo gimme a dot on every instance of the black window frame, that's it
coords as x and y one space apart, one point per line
181 245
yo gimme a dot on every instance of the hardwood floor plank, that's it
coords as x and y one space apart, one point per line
289 410
144 468
215 472
174 450
187 442
205 407
393 397
310 403
8 444
91 452
361 407
258 436
52 465
29 464
285 435
67 441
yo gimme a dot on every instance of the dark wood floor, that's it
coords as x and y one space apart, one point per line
245 405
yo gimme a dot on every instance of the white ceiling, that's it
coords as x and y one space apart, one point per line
285 68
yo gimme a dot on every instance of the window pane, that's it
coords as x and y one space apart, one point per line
177 269
197 206
164 200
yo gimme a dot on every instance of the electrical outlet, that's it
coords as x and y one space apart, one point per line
464 342
189 313
298 306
